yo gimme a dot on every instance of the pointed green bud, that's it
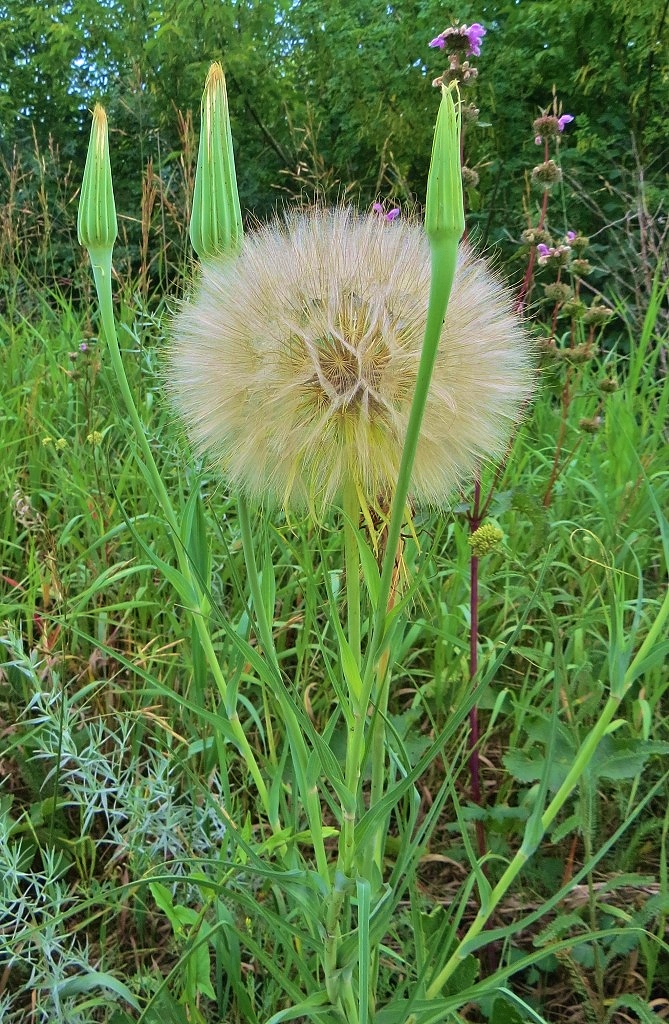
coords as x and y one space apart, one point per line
216 220
444 208
96 223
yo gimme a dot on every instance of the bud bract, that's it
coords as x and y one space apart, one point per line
216 219
96 223
444 208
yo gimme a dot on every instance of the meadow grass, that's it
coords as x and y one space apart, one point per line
139 877
259 770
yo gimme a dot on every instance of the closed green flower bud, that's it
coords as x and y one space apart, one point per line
590 426
444 208
597 314
216 220
547 175
557 292
96 223
444 220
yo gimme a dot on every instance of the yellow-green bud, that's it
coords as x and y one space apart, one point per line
216 220
96 223
590 426
597 314
444 207
557 291
486 539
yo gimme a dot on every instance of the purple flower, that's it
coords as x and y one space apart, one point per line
83 347
543 251
537 140
391 215
475 34
564 120
571 235
439 42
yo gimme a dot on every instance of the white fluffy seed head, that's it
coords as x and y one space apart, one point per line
294 365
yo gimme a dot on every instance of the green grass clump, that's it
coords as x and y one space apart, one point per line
133 854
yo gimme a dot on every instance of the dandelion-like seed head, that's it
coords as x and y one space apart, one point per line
294 366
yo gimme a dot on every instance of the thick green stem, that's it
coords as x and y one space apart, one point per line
352 567
101 263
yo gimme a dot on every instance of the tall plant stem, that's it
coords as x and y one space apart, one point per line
443 271
378 738
352 567
200 604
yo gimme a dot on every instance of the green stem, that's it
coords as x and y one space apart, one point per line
444 262
352 567
527 848
656 630
101 263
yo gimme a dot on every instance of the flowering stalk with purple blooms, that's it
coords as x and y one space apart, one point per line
564 259
467 37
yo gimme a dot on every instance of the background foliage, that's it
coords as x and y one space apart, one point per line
326 97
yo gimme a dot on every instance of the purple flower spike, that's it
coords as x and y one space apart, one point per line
393 214
439 43
475 34
564 120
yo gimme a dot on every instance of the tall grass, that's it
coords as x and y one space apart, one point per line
162 851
